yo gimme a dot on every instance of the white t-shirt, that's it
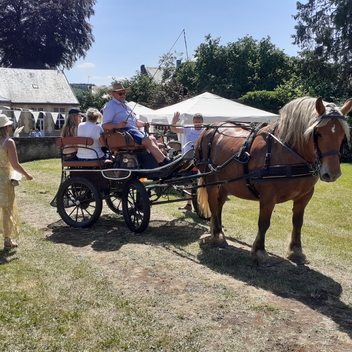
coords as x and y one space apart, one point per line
191 135
92 130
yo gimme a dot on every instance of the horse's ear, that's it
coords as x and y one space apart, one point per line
319 106
346 107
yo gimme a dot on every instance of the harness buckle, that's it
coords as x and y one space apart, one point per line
267 160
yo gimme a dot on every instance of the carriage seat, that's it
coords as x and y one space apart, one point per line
176 145
69 142
119 140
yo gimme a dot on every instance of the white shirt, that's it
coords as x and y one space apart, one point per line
191 135
92 130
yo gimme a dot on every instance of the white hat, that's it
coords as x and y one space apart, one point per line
4 121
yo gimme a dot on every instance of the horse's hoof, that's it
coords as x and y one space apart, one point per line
300 261
297 256
261 258
207 241
222 244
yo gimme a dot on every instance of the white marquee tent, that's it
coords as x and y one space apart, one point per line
139 110
213 108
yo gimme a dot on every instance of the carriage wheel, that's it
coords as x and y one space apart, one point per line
114 202
135 206
79 203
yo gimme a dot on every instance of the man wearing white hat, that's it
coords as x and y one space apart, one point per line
117 114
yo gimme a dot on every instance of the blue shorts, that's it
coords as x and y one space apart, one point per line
136 134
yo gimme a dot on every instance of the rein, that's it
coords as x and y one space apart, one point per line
314 166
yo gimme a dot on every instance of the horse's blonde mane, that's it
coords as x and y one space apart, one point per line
299 118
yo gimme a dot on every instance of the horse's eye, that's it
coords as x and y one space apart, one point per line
318 134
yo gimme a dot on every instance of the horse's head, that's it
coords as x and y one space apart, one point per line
330 130
317 129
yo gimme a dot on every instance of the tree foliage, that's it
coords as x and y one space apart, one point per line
146 91
96 99
234 69
44 33
151 94
324 33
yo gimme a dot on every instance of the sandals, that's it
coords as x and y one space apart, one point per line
9 244
186 207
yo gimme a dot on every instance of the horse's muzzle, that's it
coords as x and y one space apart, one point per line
328 177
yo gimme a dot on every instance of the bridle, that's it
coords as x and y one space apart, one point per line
332 115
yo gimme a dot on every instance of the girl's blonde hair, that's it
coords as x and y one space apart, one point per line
93 115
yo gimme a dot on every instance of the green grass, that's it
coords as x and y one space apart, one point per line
55 297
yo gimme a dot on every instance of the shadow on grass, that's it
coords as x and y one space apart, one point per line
110 233
284 279
7 256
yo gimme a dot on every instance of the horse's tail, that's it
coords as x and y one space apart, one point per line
203 202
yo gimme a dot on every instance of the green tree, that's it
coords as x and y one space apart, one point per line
320 78
186 75
146 91
264 100
167 64
44 33
93 99
324 32
154 95
142 87
235 69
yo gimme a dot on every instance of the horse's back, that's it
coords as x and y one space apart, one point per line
225 140
220 140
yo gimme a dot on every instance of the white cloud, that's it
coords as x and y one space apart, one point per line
86 65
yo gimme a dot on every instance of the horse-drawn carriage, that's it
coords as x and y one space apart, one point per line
130 181
269 163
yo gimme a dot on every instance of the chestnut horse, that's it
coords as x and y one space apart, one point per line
271 163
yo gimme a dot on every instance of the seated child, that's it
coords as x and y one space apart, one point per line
91 129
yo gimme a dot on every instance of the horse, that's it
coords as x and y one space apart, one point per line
271 163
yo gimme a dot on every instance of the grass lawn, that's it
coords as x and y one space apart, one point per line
106 289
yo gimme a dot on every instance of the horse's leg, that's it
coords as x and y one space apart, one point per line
259 254
222 199
295 252
216 202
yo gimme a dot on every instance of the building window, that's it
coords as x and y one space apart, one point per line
60 118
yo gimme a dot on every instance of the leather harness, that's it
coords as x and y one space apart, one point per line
267 172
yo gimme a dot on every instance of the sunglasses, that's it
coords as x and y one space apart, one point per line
121 94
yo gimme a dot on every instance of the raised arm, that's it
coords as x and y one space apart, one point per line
175 120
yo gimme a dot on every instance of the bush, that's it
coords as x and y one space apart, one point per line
264 100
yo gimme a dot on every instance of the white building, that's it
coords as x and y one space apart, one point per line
36 99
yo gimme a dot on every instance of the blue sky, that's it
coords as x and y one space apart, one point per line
134 32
